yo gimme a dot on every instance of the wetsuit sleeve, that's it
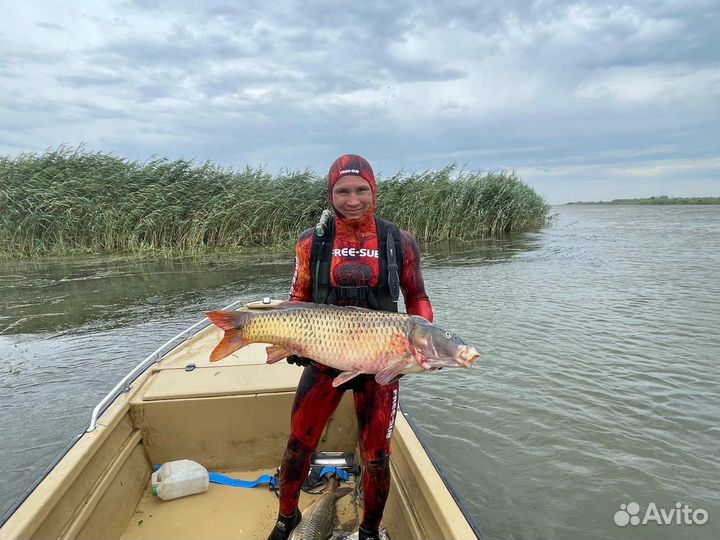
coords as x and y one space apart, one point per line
411 281
301 290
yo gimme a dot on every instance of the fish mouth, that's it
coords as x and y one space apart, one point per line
469 356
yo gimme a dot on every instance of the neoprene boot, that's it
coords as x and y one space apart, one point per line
285 525
364 534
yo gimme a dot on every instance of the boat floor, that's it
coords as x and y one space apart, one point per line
221 512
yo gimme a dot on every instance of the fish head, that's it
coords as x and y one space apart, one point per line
439 347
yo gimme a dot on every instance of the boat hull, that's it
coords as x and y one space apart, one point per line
231 417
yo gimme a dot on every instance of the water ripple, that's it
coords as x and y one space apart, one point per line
597 383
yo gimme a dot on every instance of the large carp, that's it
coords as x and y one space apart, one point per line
353 340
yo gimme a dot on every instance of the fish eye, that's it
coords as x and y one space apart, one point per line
448 335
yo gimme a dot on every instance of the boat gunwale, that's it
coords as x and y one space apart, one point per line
441 473
123 387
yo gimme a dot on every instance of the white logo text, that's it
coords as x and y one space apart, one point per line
352 252
392 416
681 514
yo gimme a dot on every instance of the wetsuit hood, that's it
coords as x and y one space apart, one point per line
351 164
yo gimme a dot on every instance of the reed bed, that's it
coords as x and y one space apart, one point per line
459 204
65 201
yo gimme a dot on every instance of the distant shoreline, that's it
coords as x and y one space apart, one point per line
662 199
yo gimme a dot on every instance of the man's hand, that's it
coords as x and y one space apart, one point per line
298 360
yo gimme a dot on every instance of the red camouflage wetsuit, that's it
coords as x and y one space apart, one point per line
354 262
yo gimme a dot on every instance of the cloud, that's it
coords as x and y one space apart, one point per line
656 84
50 26
542 87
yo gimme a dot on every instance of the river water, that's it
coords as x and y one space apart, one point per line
598 385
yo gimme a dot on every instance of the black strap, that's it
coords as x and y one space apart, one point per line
316 272
393 277
320 256
353 293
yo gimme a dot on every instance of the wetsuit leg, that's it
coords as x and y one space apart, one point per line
375 407
315 401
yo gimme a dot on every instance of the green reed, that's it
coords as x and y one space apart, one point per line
68 201
459 204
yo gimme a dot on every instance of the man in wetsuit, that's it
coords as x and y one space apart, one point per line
358 262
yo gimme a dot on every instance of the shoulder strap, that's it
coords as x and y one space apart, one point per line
320 262
391 254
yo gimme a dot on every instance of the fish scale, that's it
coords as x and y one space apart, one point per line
351 337
352 340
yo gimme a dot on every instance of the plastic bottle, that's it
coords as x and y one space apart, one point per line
179 478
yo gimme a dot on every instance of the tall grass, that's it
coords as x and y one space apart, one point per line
67 201
459 204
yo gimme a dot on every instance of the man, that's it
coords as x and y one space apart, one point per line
359 261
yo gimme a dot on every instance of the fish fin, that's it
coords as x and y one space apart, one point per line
231 342
341 492
233 322
275 353
344 377
387 374
311 305
307 305
227 319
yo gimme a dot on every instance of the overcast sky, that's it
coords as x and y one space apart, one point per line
585 100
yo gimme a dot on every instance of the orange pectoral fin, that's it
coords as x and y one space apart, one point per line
275 353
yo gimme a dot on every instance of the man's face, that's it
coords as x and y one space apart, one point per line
352 196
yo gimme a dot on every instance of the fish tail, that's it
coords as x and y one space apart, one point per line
333 487
333 482
341 492
233 322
